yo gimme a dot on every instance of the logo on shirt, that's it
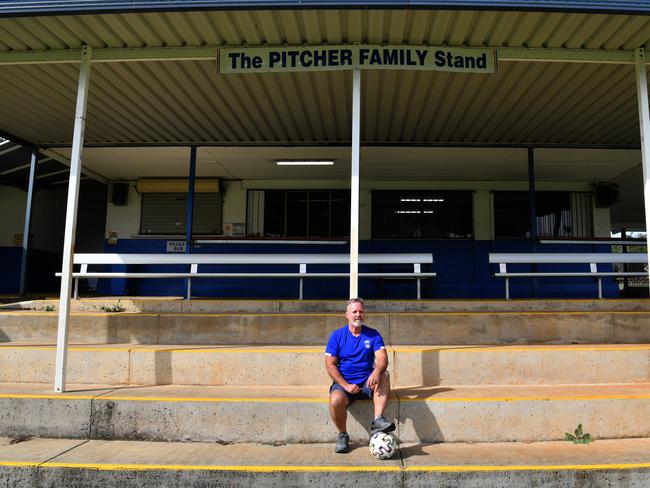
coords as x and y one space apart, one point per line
367 343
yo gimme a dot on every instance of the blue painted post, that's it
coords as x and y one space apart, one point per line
28 219
190 213
533 210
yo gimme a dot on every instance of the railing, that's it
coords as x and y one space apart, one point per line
301 261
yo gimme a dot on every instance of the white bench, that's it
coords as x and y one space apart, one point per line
592 259
301 261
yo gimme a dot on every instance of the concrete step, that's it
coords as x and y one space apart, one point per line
129 464
179 305
398 328
300 414
128 364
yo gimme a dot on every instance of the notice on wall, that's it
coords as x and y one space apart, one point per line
176 246
328 58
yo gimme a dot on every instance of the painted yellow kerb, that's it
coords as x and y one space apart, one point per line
293 468
431 399
540 467
181 467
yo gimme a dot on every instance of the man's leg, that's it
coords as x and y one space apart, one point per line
380 394
339 409
380 399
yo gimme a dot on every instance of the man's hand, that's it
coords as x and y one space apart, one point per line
373 379
351 388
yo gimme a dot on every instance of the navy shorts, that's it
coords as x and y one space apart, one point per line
365 394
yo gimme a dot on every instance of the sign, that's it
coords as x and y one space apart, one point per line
176 246
328 58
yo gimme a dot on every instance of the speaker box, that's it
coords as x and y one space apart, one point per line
120 194
606 194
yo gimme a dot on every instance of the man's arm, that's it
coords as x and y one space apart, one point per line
333 370
381 363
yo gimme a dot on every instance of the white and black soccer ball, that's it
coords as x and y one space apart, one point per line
383 445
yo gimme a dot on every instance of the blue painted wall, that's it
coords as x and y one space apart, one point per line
462 267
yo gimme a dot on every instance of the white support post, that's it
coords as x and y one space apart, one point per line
354 184
303 270
194 268
71 220
644 123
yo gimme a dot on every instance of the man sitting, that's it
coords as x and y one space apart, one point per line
356 360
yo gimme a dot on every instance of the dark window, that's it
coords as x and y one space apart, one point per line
166 213
559 214
307 214
421 214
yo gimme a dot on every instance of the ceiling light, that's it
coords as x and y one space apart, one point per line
305 163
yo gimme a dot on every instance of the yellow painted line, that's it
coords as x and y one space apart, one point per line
184 467
318 468
53 396
433 399
541 467
315 349
506 348
72 348
214 399
21 464
47 396
528 312
526 398
31 313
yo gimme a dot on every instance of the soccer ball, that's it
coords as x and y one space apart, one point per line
383 445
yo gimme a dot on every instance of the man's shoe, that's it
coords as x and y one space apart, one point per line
381 424
342 443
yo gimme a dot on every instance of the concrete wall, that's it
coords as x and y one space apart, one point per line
12 202
48 216
234 203
124 219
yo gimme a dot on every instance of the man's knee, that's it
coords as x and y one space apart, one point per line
383 385
338 399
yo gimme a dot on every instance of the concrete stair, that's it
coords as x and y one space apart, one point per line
299 414
128 464
280 365
397 328
464 374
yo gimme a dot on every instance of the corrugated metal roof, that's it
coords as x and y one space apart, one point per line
27 7
182 102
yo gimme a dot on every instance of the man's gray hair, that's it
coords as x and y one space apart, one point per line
355 300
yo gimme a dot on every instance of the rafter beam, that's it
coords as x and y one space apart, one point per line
65 160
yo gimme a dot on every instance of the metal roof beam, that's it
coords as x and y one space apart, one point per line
65 160
24 166
565 55
108 55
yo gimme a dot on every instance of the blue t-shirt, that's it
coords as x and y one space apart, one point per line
356 354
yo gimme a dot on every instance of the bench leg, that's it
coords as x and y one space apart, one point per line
189 288
600 288
507 288
300 294
76 288
419 295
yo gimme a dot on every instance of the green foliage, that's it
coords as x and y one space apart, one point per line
112 308
578 437
49 308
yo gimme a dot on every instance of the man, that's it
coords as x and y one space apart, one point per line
356 360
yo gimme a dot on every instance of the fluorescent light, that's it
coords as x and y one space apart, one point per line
305 163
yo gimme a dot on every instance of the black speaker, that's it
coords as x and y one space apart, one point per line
120 194
606 194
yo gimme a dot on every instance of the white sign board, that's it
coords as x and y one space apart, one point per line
176 246
328 58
